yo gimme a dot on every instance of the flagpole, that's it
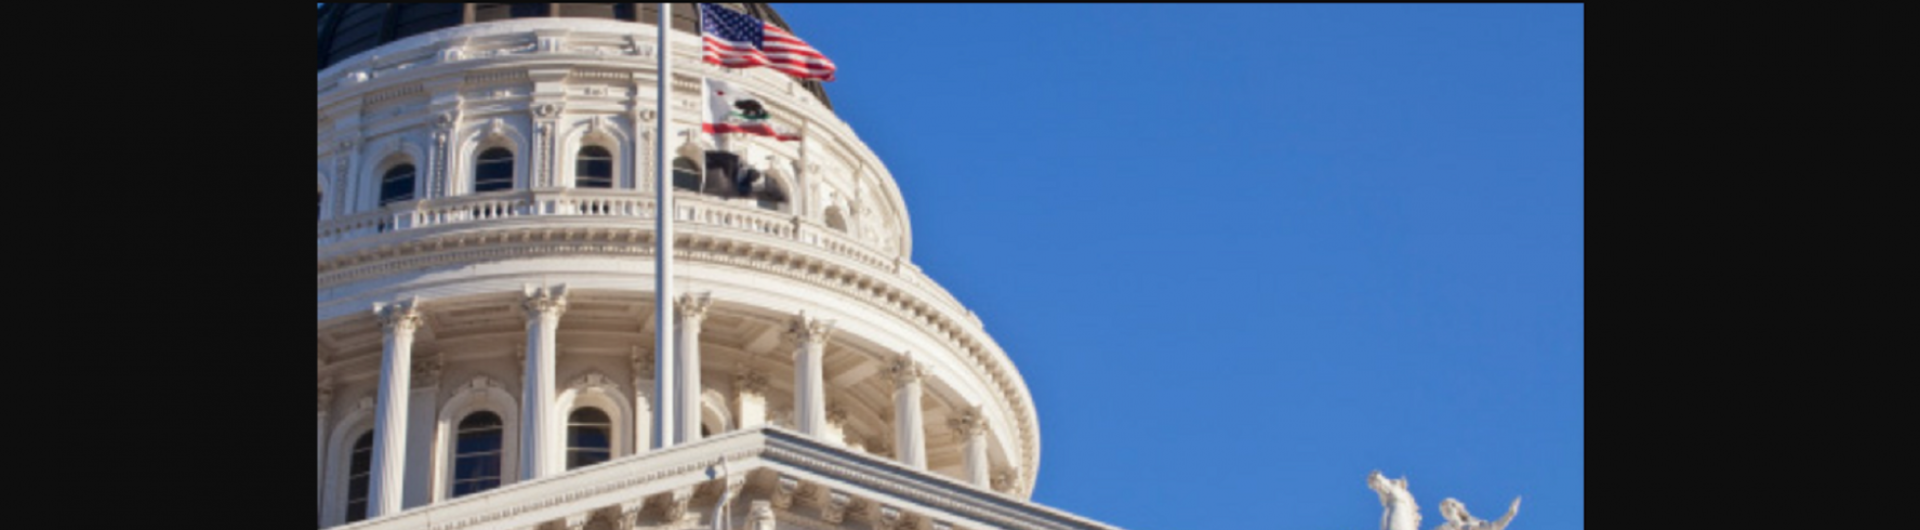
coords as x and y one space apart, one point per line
664 390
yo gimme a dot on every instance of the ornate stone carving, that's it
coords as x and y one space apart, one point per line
834 510
1007 481
691 308
969 422
809 331
1400 513
749 381
674 504
544 301
593 380
403 315
1457 518
784 491
426 372
904 370
642 366
760 516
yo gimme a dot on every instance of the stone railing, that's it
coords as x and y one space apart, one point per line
693 211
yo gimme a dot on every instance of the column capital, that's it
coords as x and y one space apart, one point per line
692 308
904 370
969 422
642 365
749 381
809 331
544 301
326 394
403 315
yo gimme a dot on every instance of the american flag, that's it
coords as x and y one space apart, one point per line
736 40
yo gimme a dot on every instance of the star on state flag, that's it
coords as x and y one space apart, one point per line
731 109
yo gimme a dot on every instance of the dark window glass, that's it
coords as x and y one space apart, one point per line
476 455
493 171
686 175
589 438
359 467
587 10
397 185
594 168
530 10
415 19
492 12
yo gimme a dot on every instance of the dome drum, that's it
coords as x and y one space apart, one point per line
485 243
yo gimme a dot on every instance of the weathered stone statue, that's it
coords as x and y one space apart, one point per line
1401 513
1458 519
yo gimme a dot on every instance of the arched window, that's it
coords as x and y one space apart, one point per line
477 454
397 185
589 438
686 175
493 171
359 468
593 168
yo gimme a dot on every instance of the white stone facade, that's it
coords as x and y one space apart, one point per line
843 387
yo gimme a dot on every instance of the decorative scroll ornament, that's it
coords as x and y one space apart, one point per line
692 308
970 422
544 301
904 370
809 331
398 316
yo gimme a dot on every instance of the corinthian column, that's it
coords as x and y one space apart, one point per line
543 307
909 427
691 309
809 374
398 321
971 425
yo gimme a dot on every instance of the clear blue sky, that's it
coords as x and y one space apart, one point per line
1245 254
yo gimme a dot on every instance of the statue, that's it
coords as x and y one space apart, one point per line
1401 513
1458 519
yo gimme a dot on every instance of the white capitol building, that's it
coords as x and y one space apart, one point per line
486 297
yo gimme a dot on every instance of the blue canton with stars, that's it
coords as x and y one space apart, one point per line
730 26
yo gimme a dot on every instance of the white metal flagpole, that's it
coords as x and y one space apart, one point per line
664 389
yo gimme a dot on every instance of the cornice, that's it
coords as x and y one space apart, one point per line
783 255
631 480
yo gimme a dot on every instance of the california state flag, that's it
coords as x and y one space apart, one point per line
733 110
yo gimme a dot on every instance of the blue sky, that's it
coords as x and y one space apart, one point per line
1245 254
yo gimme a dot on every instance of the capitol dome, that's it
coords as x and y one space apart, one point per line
486 295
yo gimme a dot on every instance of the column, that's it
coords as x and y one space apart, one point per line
909 427
809 373
642 401
326 401
971 425
543 307
691 310
399 321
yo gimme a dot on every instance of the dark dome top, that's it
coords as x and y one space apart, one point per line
348 29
